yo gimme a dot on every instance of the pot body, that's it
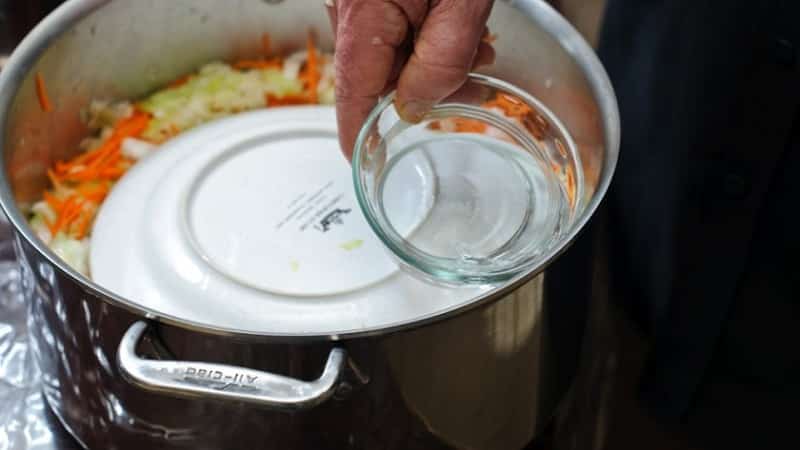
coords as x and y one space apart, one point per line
490 377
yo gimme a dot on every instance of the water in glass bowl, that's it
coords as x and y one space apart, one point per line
472 203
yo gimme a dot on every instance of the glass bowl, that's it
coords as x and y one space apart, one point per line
477 192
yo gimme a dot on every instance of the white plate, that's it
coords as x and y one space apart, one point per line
251 223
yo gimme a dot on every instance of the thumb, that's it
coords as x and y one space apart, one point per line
443 55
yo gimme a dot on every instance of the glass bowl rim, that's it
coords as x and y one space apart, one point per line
427 270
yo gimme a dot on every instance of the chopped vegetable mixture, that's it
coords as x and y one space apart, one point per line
125 132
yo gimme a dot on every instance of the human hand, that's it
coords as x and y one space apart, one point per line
424 48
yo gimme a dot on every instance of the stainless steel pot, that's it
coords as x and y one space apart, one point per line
488 375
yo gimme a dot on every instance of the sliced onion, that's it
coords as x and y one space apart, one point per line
293 63
136 149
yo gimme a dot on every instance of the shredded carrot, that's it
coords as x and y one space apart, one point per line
561 149
112 173
61 166
95 197
54 180
470 126
95 163
134 125
104 153
178 82
287 100
74 213
535 125
93 193
64 216
571 188
511 106
53 202
83 226
311 73
41 92
266 45
86 157
106 163
265 62
460 125
254 64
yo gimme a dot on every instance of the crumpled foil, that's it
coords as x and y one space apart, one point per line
25 421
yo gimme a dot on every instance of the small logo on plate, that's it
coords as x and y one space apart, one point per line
332 218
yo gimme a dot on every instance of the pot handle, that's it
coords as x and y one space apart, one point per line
222 382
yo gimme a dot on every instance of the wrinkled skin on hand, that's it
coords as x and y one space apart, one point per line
423 48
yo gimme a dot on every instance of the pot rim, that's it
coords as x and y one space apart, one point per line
28 52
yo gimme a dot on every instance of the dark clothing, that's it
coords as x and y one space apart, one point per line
704 208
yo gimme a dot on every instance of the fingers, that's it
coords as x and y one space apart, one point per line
368 36
425 47
447 46
470 94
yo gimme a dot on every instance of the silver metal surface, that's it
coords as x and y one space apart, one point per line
25 420
218 381
20 427
26 423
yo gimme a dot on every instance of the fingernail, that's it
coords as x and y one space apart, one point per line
414 110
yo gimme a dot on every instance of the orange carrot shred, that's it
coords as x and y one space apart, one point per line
72 214
178 82
252 64
287 100
41 92
92 193
571 188
266 44
108 153
311 74
96 197
112 172
54 180
52 201
62 167
62 217
83 227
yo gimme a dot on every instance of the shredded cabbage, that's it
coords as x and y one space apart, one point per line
216 91
136 149
74 252
41 229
